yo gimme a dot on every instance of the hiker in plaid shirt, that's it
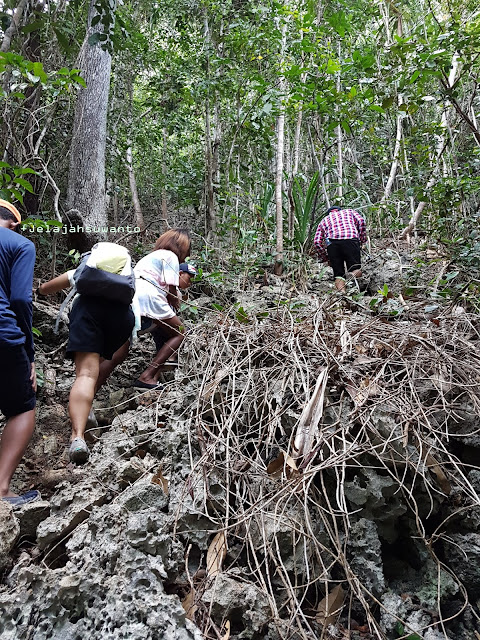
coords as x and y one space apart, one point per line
337 241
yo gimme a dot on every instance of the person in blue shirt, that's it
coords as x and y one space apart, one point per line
17 368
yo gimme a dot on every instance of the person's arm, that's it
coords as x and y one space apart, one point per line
362 227
319 242
21 293
172 297
54 285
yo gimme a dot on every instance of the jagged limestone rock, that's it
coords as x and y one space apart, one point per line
365 555
463 554
30 516
9 531
247 608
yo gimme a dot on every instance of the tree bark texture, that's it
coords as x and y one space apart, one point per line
86 182
13 26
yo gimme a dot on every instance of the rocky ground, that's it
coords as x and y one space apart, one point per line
309 471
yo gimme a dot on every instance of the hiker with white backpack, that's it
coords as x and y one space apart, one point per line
101 321
156 304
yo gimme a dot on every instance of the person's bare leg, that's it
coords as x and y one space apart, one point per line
15 438
173 330
357 273
83 391
340 284
107 366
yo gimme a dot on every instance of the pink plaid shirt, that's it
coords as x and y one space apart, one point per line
340 224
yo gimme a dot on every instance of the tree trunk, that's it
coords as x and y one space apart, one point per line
211 217
441 146
13 27
396 156
86 181
339 138
164 188
139 221
278 268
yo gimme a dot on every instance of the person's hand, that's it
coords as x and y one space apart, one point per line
33 377
173 301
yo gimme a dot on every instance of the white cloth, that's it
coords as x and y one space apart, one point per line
154 274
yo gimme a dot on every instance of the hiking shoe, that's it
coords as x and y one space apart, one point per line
78 452
25 498
92 422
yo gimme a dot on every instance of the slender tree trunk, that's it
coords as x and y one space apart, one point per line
211 214
278 268
320 167
137 209
164 171
296 153
396 157
86 181
441 146
13 27
339 138
211 218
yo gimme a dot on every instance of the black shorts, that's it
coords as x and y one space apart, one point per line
16 392
156 333
99 326
344 252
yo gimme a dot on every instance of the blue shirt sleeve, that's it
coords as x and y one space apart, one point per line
21 293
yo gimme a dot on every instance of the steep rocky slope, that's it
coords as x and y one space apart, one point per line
310 471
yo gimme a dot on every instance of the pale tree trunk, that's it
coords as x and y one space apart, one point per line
137 209
399 130
320 167
13 27
396 157
164 171
86 180
441 145
339 138
296 148
278 268
211 218
211 214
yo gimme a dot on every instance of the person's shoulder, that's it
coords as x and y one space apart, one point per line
14 240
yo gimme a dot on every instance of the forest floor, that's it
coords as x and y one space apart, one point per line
319 459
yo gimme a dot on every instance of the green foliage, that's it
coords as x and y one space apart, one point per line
304 209
400 630
12 184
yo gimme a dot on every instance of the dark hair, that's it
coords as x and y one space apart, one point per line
6 214
334 208
178 241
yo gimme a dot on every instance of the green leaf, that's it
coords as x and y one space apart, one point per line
79 80
414 76
241 315
25 184
33 26
38 70
332 66
94 38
